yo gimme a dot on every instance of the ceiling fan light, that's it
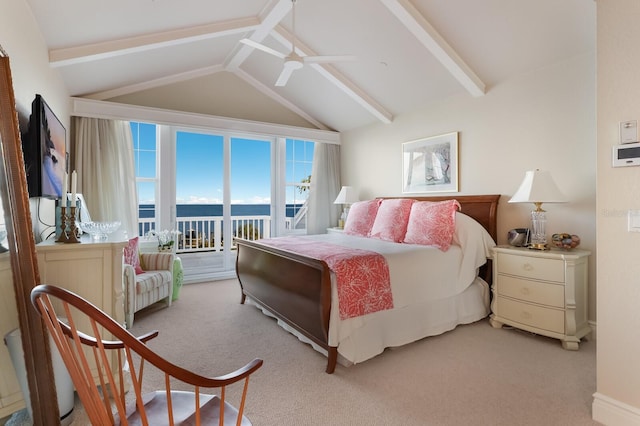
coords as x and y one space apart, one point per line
294 64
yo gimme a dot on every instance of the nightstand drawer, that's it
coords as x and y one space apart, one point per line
531 267
531 291
535 316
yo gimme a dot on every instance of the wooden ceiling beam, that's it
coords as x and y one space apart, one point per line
269 25
417 24
113 48
269 18
335 77
152 84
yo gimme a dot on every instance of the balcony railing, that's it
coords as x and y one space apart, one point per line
201 234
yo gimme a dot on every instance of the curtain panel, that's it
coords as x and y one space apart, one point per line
324 188
106 174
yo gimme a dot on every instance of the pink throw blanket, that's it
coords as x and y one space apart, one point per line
362 276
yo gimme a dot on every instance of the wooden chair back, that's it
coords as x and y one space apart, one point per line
106 364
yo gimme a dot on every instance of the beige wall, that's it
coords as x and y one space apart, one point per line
21 39
29 58
544 119
618 397
230 97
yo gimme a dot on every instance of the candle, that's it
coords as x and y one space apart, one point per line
74 183
65 185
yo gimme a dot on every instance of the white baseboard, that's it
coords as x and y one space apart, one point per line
609 411
206 277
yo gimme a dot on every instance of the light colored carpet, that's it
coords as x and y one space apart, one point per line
472 375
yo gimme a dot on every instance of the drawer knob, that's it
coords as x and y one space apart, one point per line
527 267
526 315
525 290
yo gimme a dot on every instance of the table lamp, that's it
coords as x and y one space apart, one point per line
538 187
346 197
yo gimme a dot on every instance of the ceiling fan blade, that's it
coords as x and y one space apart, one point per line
284 76
328 58
262 47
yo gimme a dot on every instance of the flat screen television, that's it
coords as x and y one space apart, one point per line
45 153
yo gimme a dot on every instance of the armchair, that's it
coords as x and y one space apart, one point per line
154 284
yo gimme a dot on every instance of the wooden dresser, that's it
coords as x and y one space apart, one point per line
544 292
93 270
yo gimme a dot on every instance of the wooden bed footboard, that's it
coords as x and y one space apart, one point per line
294 288
297 289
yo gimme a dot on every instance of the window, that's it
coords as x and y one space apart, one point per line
145 158
299 162
213 186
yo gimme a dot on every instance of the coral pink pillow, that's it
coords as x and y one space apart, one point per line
391 219
131 255
361 217
432 223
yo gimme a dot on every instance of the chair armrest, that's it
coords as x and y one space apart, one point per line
160 261
129 283
210 382
108 344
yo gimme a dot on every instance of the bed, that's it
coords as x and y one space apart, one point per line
300 290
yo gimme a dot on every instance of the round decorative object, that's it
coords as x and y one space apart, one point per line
99 231
565 241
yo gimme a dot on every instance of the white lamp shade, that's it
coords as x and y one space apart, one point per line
347 195
538 187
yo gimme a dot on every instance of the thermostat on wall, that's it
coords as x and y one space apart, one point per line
626 155
628 131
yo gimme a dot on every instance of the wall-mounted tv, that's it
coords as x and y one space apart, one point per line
45 153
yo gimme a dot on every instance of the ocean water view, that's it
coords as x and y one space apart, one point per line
198 210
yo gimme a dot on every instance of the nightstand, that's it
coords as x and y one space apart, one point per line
335 230
544 292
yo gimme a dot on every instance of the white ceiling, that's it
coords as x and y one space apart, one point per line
410 53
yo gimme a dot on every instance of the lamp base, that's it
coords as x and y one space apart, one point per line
538 246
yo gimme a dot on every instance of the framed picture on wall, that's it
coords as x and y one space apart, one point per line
430 164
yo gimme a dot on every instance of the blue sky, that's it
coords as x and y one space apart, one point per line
199 167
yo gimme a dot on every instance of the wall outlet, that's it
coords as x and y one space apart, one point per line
634 221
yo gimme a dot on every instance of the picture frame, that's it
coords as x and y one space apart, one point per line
430 164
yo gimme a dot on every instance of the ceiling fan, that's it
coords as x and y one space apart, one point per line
293 61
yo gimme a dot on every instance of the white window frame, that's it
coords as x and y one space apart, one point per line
167 121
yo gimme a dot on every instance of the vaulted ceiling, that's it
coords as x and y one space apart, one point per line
188 55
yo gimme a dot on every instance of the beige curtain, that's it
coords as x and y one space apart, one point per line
324 188
106 174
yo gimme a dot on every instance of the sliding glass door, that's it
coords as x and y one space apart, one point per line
215 186
250 184
223 190
200 201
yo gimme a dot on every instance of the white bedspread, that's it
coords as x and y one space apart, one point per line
418 272
433 292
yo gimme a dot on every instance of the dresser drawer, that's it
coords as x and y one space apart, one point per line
531 291
531 267
535 316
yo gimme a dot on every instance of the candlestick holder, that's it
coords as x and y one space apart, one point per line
63 225
72 237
